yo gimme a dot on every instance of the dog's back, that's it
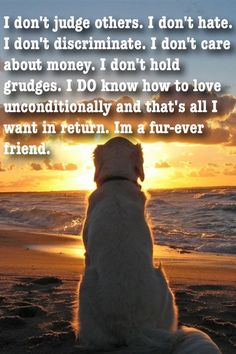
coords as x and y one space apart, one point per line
123 299
130 296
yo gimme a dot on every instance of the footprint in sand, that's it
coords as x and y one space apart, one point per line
27 283
28 311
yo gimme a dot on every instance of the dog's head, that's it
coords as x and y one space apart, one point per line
118 158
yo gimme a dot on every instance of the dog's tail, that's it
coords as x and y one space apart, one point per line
184 341
193 341
155 341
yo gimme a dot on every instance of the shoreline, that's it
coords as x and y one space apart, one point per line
39 275
25 247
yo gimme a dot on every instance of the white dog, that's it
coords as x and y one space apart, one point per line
123 300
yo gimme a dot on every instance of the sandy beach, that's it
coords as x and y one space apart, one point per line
39 274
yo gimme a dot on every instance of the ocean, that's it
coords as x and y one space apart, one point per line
187 219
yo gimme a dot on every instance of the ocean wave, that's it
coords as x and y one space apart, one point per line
60 221
222 206
223 247
160 202
211 245
155 202
189 219
216 193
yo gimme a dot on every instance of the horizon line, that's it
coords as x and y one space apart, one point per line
90 190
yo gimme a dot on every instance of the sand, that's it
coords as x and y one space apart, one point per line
39 274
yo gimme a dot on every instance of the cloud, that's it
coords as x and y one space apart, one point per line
36 166
219 128
230 171
204 172
212 164
58 166
71 167
225 103
230 125
1 168
9 168
48 164
162 164
230 121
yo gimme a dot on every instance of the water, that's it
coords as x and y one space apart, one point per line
189 219
195 219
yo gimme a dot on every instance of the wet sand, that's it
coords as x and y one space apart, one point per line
39 275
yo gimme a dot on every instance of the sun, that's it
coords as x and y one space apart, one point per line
85 181
166 165
83 177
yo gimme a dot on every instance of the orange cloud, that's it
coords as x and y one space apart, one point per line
204 172
231 171
1 168
71 167
36 166
162 164
58 166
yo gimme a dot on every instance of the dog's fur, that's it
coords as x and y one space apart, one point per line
123 299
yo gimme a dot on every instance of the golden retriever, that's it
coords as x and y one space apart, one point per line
124 301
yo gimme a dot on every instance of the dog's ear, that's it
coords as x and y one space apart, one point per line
139 162
97 158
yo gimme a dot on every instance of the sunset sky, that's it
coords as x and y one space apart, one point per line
171 162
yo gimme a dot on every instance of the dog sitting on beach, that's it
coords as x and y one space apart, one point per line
124 301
